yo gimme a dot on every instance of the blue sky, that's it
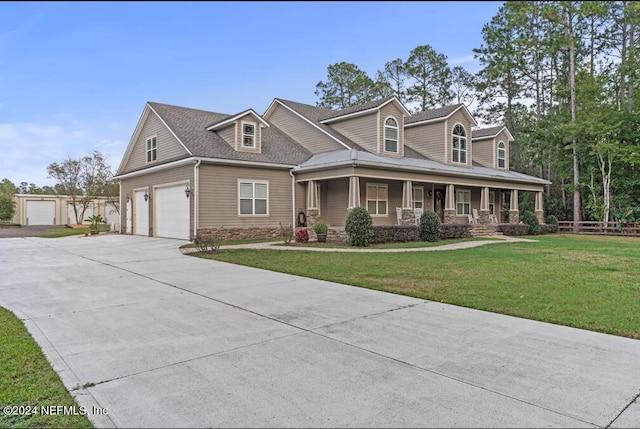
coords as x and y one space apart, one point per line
75 77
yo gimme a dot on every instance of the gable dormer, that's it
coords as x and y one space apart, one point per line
377 126
442 134
242 131
492 146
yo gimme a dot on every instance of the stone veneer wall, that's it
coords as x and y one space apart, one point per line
242 233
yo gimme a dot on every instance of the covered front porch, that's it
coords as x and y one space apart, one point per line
401 201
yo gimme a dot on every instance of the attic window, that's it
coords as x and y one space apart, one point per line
152 149
502 155
459 148
248 135
390 135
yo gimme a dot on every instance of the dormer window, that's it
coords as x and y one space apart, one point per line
391 135
459 145
502 155
152 149
248 135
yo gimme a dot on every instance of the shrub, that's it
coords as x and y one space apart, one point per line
530 219
513 229
552 223
7 207
454 230
395 234
286 233
208 243
359 227
429 226
302 236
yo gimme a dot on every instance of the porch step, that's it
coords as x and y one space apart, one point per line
481 230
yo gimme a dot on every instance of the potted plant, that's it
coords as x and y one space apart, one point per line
321 228
93 223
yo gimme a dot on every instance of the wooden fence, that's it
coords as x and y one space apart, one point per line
631 229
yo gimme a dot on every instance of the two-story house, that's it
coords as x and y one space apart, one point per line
188 170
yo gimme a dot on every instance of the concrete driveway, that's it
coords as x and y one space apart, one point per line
160 339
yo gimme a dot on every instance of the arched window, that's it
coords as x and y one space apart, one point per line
459 146
502 155
390 135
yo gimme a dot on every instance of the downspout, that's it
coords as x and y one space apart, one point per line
196 174
293 201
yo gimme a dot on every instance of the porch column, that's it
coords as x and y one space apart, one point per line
539 210
354 192
484 206
514 211
407 204
450 205
312 203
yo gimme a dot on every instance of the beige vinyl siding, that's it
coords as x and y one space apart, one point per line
335 201
301 197
150 180
427 140
219 197
303 132
391 110
361 130
229 134
169 148
483 152
459 118
249 119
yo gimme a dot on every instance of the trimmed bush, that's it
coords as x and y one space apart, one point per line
429 226
513 229
359 227
395 234
530 219
454 230
552 222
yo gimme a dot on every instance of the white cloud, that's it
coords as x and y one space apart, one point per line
462 60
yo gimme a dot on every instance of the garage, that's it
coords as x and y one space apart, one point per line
172 212
41 212
141 208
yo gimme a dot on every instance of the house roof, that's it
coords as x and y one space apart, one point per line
435 115
343 157
189 126
485 133
362 109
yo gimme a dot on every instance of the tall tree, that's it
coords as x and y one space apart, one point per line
394 74
463 85
346 85
431 78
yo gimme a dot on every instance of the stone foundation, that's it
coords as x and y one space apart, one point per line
449 216
484 217
225 234
540 216
408 217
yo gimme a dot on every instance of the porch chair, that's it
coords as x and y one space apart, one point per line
493 218
418 214
399 215
471 220
476 217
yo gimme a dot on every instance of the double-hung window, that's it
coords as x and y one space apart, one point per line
459 144
377 196
418 197
253 198
152 149
492 203
390 135
463 202
248 135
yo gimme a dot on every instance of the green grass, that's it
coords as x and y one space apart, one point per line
587 282
66 232
232 242
405 245
27 379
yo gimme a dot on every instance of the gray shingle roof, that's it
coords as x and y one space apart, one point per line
431 114
189 125
486 132
354 109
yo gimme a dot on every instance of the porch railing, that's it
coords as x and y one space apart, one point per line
631 229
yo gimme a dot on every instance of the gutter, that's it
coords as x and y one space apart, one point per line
195 189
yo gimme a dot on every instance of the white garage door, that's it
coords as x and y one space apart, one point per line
172 212
41 212
142 214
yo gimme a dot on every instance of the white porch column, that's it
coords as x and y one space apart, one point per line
484 199
407 195
354 192
539 209
312 198
450 200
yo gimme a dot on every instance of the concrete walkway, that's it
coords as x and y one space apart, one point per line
154 338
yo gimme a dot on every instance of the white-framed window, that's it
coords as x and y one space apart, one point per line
253 197
248 135
459 144
418 197
390 135
152 149
463 202
492 203
377 199
502 155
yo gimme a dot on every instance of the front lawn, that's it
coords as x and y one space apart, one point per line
28 384
66 232
588 282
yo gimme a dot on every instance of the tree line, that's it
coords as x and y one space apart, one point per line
561 75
